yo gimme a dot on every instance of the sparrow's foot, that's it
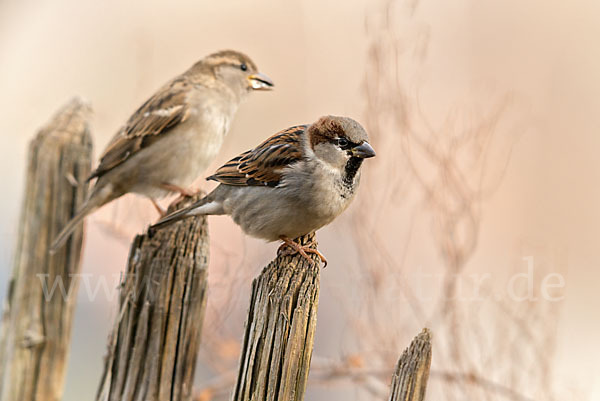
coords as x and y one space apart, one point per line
183 192
290 247
162 212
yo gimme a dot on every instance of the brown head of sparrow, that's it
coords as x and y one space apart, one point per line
171 139
294 183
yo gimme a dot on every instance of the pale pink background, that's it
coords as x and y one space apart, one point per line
116 53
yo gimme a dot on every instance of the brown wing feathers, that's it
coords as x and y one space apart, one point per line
264 164
157 116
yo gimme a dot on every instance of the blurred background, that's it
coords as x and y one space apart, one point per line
478 218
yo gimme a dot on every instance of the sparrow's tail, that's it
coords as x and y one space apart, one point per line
204 206
97 199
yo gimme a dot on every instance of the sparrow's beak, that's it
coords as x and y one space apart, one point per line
260 81
364 151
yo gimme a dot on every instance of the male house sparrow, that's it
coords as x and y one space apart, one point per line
295 182
171 139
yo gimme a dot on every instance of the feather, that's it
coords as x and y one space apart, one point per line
155 118
264 165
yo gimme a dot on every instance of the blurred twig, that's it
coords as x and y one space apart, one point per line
452 167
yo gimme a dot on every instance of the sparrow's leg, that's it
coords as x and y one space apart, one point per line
303 250
162 212
183 192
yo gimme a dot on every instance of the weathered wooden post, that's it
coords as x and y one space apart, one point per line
155 339
280 328
412 371
36 322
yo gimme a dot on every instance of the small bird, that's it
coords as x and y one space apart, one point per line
294 183
173 137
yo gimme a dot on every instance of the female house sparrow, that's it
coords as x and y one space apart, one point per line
295 182
171 139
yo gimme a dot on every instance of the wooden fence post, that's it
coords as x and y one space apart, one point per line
36 322
154 343
412 371
280 329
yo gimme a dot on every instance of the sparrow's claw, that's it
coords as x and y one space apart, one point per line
290 247
316 252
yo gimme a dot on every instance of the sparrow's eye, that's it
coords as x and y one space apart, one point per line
342 142
243 67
